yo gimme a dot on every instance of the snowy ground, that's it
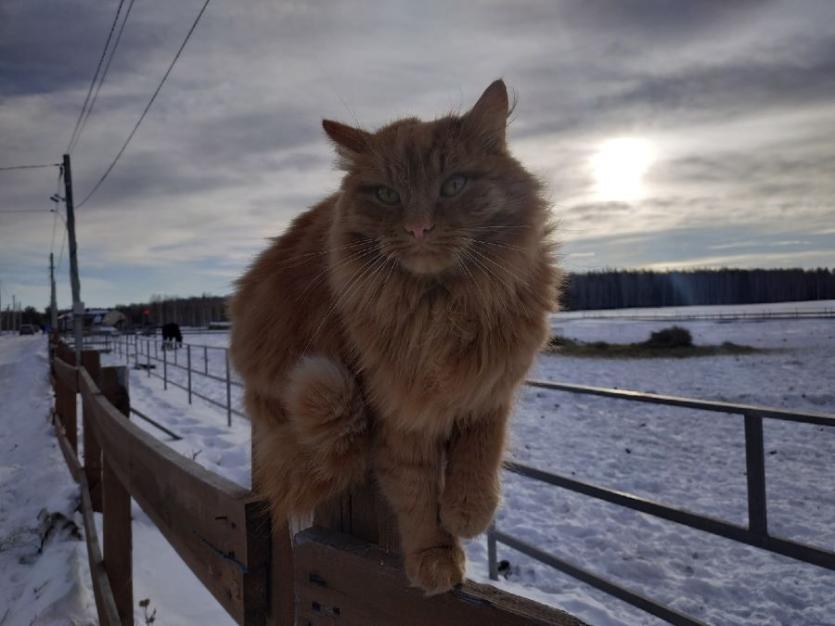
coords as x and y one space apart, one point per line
677 456
44 578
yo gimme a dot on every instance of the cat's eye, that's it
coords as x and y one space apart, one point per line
387 195
453 185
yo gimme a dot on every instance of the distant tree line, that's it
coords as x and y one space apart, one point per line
617 289
193 311
11 320
610 289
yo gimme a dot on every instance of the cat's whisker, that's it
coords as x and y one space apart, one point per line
353 283
323 274
520 281
302 259
478 259
335 301
500 244
495 228
501 267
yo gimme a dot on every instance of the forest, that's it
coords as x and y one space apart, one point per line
617 289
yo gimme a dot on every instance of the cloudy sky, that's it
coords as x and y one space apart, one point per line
670 134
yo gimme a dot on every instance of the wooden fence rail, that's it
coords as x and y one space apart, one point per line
258 572
217 527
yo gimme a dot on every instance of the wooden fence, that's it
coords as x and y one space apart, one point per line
343 571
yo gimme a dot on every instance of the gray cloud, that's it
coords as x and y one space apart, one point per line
737 97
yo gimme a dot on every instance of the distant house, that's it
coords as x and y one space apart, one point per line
94 319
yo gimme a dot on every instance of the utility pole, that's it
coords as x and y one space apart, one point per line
53 308
77 304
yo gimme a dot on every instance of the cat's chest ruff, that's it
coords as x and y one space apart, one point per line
436 319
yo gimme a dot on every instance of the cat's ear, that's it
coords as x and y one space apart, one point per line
349 140
488 118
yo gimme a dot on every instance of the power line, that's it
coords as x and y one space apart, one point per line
147 106
9 168
18 211
106 69
75 130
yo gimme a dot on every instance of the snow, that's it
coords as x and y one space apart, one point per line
39 584
680 457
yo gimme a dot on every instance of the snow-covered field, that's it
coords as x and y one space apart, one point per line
677 456
741 310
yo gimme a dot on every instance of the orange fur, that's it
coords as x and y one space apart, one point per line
398 332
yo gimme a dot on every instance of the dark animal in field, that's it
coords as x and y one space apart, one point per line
171 335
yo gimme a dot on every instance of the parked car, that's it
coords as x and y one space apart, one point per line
27 329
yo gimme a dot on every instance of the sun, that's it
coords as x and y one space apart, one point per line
619 166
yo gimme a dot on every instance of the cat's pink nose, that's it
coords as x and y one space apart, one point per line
419 229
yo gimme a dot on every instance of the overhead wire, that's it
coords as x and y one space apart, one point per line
75 131
18 211
9 168
147 106
106 69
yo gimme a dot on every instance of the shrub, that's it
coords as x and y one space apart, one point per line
673 337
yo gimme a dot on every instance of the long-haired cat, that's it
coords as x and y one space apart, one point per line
389 326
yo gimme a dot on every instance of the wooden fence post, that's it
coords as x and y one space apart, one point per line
280 594
118 534
92 452
362 512
65 398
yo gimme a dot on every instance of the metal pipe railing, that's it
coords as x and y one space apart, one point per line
755 534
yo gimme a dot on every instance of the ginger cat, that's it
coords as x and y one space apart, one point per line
389 326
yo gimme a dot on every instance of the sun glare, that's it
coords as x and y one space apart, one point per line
619 166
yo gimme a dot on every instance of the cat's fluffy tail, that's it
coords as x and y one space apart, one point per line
322 448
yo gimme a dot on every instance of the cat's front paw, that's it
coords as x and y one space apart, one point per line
436 570
467 512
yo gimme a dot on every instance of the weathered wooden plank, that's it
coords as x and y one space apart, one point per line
92 451
342 581
66 449
281 610
65 384
65 353
117 531
65 373
202 515
265 604
105 603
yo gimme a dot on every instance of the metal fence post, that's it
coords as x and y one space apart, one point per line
492 564
174 345
228 392
164 368
148 360
188 363
206 360
755 466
